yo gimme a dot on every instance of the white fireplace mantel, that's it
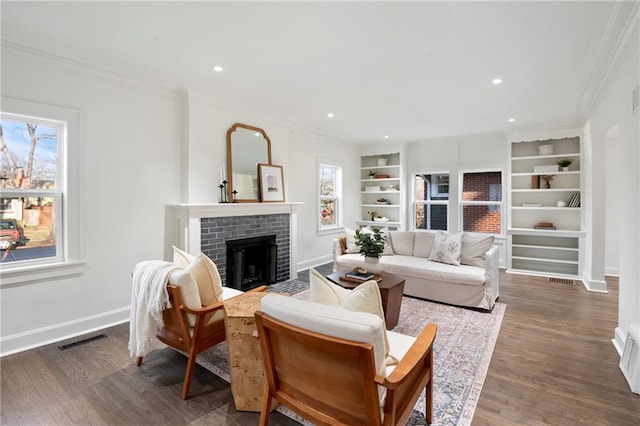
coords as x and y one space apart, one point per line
184 221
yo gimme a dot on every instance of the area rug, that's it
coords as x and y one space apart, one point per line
462 352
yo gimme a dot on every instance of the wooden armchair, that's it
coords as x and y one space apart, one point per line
204 329
331 380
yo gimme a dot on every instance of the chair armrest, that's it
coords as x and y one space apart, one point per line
419 353
218 305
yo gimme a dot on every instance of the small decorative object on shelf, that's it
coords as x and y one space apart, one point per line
382 176
545 149
565 163
561 203
235 195
547 181
382 162
544 225
373 215
371 174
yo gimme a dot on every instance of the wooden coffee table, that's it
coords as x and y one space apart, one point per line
391 290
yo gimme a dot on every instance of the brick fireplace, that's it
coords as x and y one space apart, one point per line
208 228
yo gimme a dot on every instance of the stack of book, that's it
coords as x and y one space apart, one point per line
544 225
359 275
575 200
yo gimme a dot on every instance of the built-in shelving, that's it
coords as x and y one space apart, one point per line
556 252
377 187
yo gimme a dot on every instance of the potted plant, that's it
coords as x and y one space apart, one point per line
565 163
371 247
371 174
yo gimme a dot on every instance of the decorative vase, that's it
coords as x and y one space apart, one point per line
372 264
565 169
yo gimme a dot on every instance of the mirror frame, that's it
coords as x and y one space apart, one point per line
230 161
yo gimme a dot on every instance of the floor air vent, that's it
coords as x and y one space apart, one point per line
562 281
81 342
630 360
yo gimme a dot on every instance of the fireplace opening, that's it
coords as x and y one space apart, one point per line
251 262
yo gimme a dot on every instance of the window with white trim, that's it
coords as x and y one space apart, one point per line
481 201
39 208
431 200
330 191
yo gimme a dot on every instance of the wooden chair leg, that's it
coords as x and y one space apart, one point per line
429 401
266 406
188 374
138 361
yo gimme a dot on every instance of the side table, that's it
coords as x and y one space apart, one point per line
391 290
246 367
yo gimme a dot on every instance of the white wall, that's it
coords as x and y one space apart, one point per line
144 147
131 170
615 134
304 151
454 154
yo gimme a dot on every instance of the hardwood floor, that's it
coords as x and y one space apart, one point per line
553 364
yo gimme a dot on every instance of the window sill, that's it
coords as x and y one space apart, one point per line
27 274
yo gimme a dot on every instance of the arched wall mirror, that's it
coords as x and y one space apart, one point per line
246 147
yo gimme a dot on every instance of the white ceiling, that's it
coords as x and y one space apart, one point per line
410 70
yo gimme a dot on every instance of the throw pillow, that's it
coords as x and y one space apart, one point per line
205 273
474 248
188 290
323 291
423 243
447 248
351 246
182 258
402 242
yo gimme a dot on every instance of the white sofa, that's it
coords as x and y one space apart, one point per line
473 283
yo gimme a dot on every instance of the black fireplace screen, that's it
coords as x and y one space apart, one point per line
251 262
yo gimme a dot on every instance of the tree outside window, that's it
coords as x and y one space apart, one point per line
31 187
431 201
329 190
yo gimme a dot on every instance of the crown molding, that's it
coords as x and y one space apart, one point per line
163 91
616 46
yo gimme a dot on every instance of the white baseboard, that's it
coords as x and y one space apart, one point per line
26 340
612 272
314 262
596 286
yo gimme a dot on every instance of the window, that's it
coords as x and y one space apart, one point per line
431 201
39 204
330 189
481 202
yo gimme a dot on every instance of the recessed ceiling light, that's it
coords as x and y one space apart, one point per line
496 81
511 120
330 115
386 136
218 68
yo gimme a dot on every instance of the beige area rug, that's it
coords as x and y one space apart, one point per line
462 353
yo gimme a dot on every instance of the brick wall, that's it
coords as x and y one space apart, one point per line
215 231
477 187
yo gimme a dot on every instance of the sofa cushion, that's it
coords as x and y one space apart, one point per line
447 248
423 241
474 248
399 345
417 267
402 242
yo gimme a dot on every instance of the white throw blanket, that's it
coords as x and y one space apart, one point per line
149 297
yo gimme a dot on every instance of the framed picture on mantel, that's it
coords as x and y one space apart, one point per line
271 179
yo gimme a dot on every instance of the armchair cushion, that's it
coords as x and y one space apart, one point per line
204 272
321 290
332 321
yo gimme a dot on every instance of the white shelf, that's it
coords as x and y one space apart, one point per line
378 179
394 210
380 192
389 166
545 157
545 252
380 205
377 223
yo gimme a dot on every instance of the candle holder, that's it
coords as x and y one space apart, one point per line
235 194
223 191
